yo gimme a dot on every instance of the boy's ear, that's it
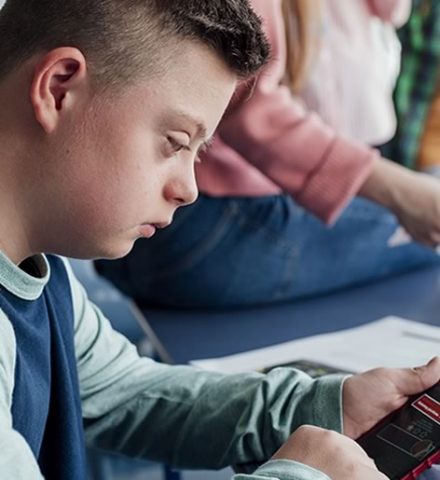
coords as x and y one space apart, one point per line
57 81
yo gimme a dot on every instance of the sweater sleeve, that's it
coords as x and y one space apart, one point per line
16 458
184 416
284 470
269 127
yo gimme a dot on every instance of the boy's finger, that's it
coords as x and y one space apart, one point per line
421 378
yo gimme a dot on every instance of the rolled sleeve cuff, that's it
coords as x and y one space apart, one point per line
322 406
284 470
330 187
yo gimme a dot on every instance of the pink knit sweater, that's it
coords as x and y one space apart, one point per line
268 143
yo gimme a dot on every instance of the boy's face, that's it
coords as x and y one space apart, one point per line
116 166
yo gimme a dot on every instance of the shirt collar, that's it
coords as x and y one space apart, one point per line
20 283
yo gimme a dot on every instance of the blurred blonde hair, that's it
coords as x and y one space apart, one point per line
302 21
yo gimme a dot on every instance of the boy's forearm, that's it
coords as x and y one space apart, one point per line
184 416
195 419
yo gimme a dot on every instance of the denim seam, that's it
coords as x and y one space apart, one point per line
288 278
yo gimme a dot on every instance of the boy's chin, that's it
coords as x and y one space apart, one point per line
94 250
109 252
117 252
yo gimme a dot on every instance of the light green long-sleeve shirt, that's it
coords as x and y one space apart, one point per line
180 415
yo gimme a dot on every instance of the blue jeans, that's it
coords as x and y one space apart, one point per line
237 252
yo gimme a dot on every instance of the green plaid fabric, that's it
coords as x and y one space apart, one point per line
417 82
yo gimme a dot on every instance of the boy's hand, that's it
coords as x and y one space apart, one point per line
370 396
329 452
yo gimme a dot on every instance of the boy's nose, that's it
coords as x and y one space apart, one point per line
182 192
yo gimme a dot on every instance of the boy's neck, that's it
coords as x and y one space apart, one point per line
14 231
11 246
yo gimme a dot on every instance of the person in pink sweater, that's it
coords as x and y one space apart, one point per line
277 218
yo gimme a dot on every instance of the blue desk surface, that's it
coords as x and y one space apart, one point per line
188 335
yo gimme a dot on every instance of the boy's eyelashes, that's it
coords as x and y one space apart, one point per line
176 145
181 141
203 148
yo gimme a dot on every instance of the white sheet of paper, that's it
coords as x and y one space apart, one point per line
389 342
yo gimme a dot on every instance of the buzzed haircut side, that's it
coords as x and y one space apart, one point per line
122 38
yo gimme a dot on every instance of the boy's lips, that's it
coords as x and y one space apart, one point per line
147 230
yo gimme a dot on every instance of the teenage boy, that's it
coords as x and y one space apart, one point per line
105 104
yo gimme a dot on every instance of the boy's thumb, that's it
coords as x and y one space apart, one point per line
421 378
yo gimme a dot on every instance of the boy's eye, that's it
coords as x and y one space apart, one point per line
177 146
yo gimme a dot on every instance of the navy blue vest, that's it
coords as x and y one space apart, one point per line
46 408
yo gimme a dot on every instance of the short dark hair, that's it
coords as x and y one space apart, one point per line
120 38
